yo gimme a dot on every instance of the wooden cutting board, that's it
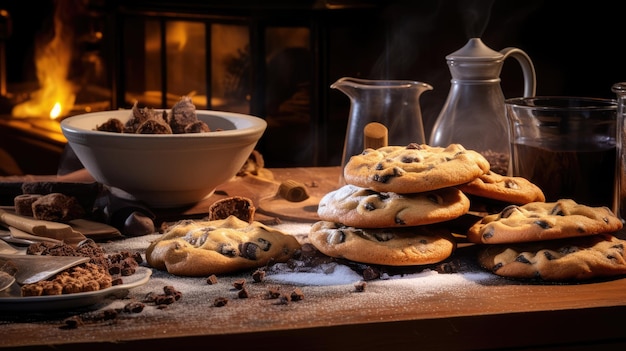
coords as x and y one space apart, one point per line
317 181
263 192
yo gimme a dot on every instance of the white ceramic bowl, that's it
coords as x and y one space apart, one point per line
164 170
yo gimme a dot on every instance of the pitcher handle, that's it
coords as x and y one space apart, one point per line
530 82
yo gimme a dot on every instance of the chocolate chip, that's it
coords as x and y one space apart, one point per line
370 206
382 178
543 224
249 250
383 236
379 167
434 198
508 211
557 210
399 221
227 250
522 259
568 249
336 237
414 146
548 255
264 244
488 234
408 159
511 184
496 267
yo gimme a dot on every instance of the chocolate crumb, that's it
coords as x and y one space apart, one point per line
258 275
103 315
360 287
134 307
283 299
164 299
243 293
72 322
170 291
273 293
150 297
211 280
220 302
239 284
370 273
297 295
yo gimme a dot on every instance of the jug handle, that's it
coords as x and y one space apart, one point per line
530 82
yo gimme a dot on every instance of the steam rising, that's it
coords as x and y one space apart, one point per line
475 15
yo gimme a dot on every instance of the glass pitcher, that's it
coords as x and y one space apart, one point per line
393 103
620 173
474 112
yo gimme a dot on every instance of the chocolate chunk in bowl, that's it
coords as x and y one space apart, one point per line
164 170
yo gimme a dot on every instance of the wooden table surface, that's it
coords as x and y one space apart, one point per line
437 312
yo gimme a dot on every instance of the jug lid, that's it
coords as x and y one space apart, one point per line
475 50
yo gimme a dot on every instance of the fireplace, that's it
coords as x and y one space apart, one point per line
270 60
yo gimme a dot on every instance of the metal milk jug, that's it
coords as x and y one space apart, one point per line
474 113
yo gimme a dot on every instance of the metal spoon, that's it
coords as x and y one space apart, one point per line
6 278
33 268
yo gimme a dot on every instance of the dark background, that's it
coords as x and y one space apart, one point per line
576 48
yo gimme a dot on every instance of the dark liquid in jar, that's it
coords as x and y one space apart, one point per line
586 176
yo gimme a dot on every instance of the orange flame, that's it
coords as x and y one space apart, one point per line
55 96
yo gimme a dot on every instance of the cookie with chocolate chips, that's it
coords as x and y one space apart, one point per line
538 221
513 190
414 168
408 246
366 208
202 248
579 258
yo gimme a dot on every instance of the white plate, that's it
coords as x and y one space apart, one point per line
11 299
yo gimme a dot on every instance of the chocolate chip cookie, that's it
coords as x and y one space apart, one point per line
414 168
202 248
577 258
365 208
537 221
513 190
392 246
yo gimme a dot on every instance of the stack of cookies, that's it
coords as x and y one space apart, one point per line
394 207
556 241
400 203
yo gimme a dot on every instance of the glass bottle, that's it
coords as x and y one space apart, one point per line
474 113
